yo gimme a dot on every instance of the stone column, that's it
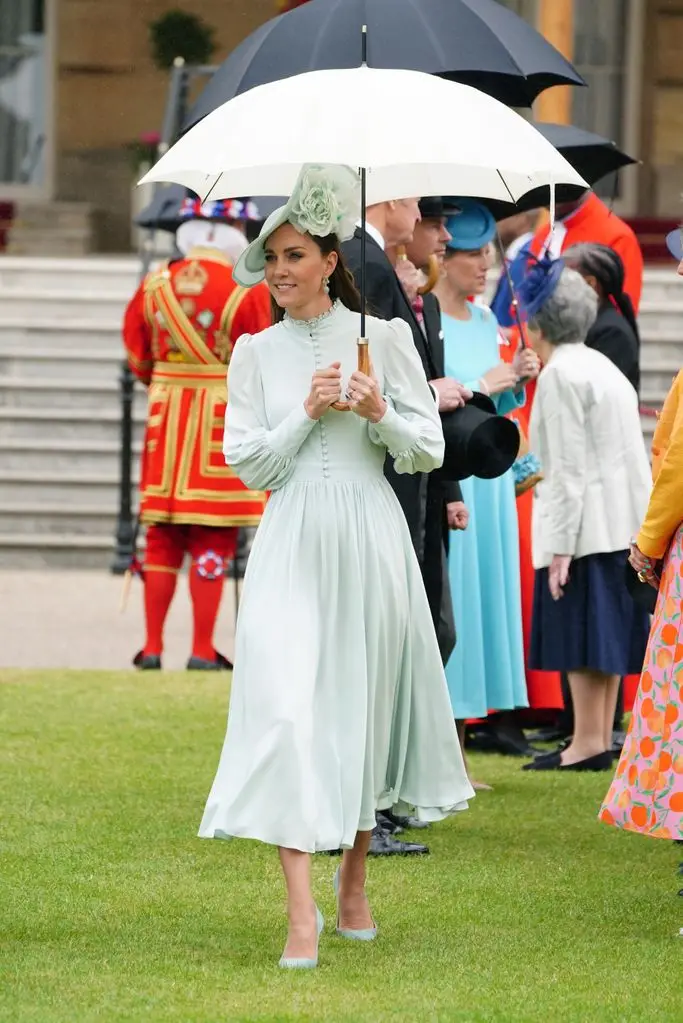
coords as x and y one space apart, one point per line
556 23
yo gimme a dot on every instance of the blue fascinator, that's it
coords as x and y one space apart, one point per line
538 284
471 227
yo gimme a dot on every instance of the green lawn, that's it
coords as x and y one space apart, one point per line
111 908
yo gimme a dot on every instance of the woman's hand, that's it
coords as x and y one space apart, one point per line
503 377
558 575
458 515
643 566
325 390
365 398
527 364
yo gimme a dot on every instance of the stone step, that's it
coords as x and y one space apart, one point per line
39 304
65 334
101 488
41 518
67 423
100 273
56 551
656 383
76 363
52 393
86 456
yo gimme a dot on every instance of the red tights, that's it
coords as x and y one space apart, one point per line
210 549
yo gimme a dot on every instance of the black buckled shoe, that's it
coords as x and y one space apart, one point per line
383 844
220 663
388 824
147 662
402 823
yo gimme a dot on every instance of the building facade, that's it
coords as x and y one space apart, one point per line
78 87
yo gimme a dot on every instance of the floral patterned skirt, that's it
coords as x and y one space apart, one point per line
647 792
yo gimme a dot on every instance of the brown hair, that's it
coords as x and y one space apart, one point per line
342 283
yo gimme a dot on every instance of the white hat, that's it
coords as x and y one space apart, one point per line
325 200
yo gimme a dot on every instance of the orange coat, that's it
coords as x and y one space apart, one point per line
179 331
665 510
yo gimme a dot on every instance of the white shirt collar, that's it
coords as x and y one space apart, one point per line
374 234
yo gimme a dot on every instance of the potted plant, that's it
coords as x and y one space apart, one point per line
179 33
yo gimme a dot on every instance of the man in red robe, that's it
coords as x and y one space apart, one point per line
179 331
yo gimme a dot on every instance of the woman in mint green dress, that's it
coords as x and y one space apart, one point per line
339 702
486 670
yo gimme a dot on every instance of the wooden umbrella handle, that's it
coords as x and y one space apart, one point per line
363 367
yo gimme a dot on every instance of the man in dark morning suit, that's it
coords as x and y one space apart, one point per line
423 497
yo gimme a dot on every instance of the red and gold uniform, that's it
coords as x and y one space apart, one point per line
179 330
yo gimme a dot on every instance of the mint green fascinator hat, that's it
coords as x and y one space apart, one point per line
325 200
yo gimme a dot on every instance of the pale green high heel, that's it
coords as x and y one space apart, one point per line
365 934
292 963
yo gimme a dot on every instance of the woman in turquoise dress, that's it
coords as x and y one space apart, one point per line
486 670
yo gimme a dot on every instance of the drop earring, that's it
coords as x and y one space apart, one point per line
326 285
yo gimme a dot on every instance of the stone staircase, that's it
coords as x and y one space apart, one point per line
71 229
60 362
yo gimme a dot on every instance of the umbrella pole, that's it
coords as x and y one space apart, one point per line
363 347
513 294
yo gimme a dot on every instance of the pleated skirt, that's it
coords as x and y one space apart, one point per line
596 625
339 704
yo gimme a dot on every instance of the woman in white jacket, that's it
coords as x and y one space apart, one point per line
585 428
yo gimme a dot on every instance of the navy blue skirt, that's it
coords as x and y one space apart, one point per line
595 626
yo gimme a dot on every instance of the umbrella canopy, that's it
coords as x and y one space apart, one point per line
478 42
358 117
592 156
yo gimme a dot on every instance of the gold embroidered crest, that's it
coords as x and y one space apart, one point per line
191 280
187 305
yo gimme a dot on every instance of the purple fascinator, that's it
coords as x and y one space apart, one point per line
538 284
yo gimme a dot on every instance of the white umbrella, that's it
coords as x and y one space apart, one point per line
414 135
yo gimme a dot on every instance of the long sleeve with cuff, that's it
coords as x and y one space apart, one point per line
411 426
565 420
264 459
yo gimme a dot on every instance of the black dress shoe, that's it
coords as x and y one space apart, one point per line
383 844
553 762
402 823
147 662
551 733
389 825
220 663
504 738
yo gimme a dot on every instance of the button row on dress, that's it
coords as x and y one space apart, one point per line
323 438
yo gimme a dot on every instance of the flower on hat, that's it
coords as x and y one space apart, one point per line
326 200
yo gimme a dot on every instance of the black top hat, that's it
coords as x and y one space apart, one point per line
437 206
478 441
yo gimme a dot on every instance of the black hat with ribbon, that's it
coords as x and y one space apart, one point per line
478 441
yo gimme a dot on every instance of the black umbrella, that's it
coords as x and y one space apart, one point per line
478 42
163 212
593 156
